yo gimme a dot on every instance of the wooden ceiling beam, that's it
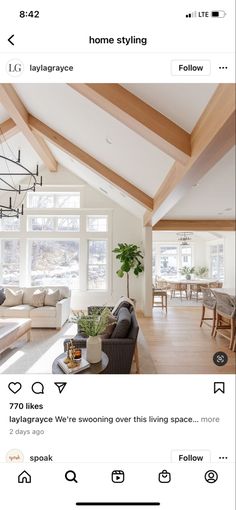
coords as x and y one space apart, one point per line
18 113
212 137
8 128
90 162
139 116
195 225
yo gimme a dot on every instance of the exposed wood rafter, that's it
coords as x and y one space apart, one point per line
89 161
20 116
196 225
8 128
212 137
140 117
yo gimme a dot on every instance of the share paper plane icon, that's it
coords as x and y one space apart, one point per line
61 386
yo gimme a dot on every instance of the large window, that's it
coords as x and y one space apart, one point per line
97 264
217 261
56 242
167 259
55 262
10 261
56 200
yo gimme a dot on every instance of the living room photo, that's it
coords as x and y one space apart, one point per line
117 229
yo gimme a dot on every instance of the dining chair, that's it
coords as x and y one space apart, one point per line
208 302
161 284
225 317
162 294
196 288
216 285
180 288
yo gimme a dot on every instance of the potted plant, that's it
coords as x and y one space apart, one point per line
131 259
92 326
187 271
201 271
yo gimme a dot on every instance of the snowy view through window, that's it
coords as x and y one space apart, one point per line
50 253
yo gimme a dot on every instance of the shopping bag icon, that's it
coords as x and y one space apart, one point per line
164 476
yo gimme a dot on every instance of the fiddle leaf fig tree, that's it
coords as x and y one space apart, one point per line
131 260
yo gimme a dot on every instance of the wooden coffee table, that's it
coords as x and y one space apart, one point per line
11 330
95 368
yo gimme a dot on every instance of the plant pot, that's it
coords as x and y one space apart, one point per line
188 276
94 349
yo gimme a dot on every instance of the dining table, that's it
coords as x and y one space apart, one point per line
195 281
198 281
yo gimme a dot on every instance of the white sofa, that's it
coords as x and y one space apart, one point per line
41 317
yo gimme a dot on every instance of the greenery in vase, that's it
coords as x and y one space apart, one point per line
185 270
201 271
131 259
93 324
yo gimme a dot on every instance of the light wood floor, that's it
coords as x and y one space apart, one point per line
179 346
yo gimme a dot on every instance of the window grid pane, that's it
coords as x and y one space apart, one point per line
169 261
97 223
97 264
57 200
54 223
9 224
10 261
55 262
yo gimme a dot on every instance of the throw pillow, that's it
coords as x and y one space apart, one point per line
123 324
2 296
52 297
13 297
124 302
110 327
38 298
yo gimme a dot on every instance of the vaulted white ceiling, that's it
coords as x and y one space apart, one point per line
123 150
214 195
183 103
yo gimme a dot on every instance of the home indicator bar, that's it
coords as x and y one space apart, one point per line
119 504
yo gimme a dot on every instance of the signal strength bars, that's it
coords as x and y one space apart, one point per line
191 14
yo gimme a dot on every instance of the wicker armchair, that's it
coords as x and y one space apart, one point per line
209 302
226 317
216 285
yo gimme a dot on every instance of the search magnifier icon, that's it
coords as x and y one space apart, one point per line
70 476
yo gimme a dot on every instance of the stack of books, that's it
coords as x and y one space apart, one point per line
81 364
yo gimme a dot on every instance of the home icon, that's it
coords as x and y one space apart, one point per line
24 477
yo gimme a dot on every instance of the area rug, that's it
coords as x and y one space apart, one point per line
36 356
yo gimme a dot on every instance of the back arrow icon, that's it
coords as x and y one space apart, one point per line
10 39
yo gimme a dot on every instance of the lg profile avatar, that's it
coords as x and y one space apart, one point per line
15 67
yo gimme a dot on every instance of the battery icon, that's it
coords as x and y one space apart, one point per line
218 14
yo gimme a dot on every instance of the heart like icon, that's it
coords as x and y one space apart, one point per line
14 387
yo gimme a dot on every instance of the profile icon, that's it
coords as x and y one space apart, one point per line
211 476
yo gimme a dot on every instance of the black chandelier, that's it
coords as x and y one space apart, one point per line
9 169
184 238
8 211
